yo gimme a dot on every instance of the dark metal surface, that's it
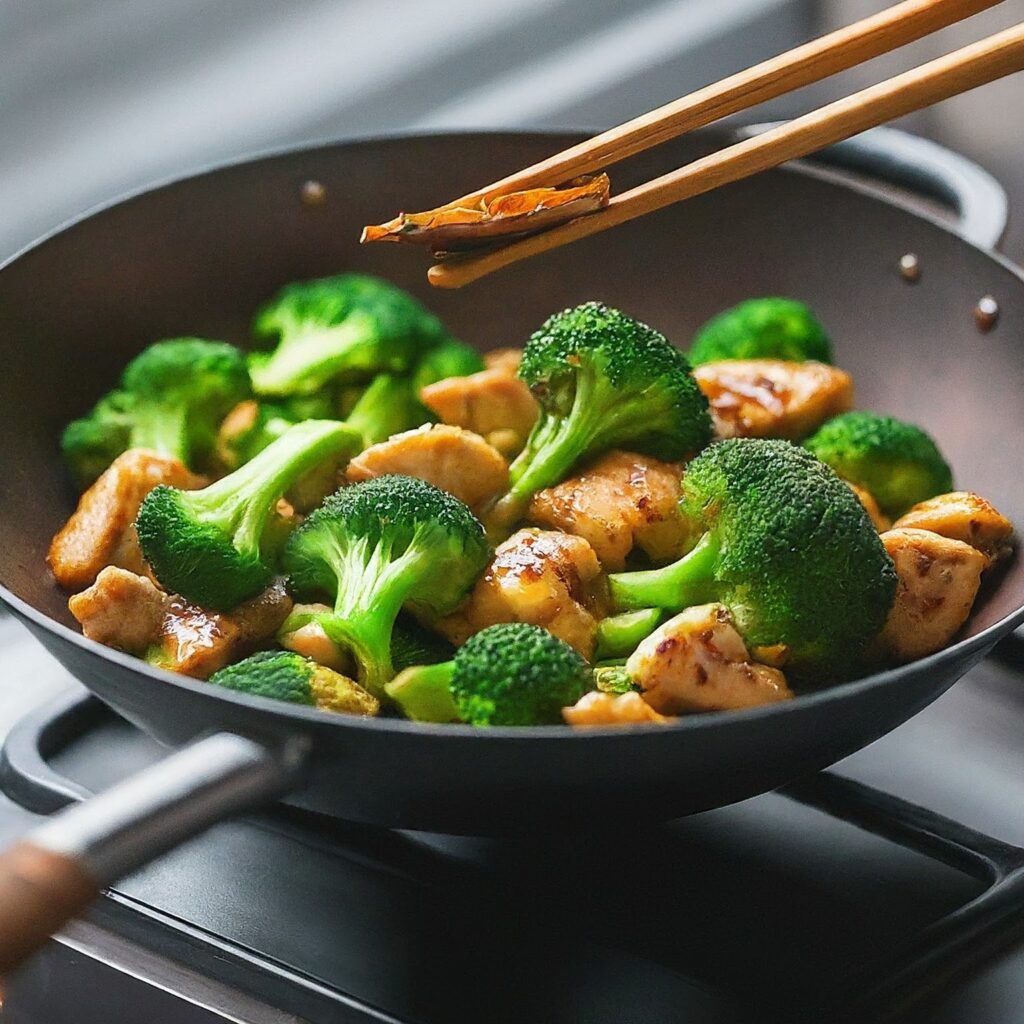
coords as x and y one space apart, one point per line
928 947
198 256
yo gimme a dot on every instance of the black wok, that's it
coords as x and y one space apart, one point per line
197 256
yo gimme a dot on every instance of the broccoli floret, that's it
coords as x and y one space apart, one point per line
897 462
208 545
389 543
509 674
285 675
339 328
172 398
602 380
90 444
449 358
787 547
762 329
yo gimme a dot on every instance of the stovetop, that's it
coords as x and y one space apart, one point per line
774 909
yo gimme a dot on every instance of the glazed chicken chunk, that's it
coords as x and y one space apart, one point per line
456 460
125 610
100 532
963 516
772 397
620 502
494 403
938 579
541 577
597 708
697 661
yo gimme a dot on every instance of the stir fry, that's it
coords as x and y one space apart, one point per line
368 517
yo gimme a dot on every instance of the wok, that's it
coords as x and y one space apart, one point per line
197 256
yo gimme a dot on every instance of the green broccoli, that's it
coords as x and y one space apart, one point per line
602 380
285 675
337 329
509 674
619 635
762 329
380 546
208 545
897 462
172 398
787 546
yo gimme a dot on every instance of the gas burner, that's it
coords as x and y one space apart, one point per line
829 900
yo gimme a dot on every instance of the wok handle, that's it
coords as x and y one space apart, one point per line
53 873
922 166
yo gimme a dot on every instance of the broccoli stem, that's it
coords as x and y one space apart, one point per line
388 406
306 361
620 635
685 582
241 502
423 692
371 591
161 429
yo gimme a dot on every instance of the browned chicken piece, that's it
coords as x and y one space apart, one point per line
938 579
772 397
867 499
596 708
197 642
963 516
456 460
507 359
494 403
620 502
312 641
100 532
545 578
697 661
121 609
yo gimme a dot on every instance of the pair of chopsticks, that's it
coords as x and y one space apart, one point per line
958 72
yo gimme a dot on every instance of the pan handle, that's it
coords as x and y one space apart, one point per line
52 874
924 167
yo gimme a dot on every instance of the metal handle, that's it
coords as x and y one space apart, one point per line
978 200
51 875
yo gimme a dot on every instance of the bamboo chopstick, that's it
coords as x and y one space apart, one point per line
960 71
811 62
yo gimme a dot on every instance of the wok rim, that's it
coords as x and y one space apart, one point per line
311 716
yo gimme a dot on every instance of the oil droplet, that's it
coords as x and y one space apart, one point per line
910 268
986 313
313 193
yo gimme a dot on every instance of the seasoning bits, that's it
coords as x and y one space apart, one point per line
986 313
313 193
910 268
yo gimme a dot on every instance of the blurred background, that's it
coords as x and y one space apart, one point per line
98 97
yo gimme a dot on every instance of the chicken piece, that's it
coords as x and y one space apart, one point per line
596 708
121 609
456 460
772 397
938 579
963 516
697 661
494 403
507 359
101 530
197 642
620 502
312 641
545 578
867 499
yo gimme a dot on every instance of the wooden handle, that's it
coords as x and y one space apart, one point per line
39 892
965 69
811 62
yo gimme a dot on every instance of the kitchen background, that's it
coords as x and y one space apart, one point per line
99 97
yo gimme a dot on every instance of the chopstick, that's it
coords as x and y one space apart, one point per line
960 71
811 62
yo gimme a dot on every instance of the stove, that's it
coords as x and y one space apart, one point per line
839 898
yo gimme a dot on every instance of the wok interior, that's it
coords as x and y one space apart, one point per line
197 258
